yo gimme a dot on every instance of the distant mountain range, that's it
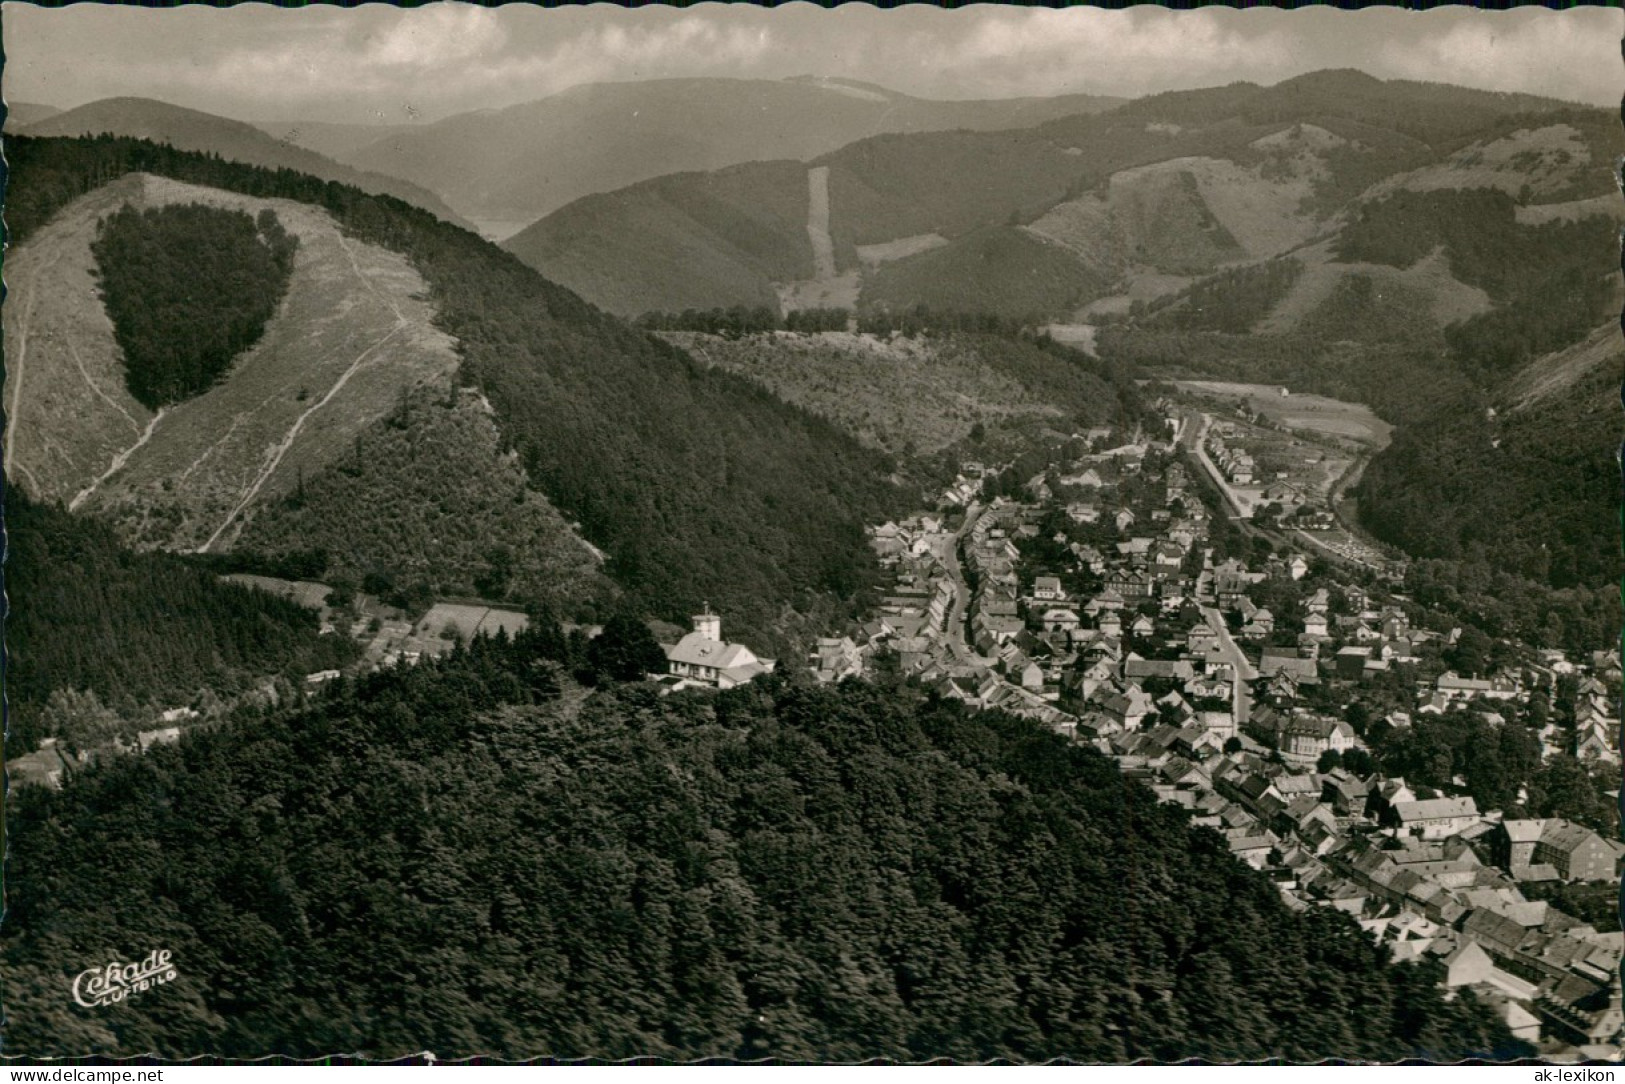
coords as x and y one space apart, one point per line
1114 206
505 168
22 114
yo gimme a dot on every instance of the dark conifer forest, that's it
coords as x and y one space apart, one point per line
140 631
188 289
474 856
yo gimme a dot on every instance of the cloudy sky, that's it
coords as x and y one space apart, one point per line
380 63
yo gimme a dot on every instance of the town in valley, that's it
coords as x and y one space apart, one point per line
710 534
1187 601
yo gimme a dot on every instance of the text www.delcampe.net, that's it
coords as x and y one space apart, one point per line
88 1076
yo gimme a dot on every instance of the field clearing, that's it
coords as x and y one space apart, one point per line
1538 214
352 334
306 593
903 247
68 413
836 292
1299 410
1449 298
827 289
1556 373
498 230
1141 285
1081 336
470 620
1260 213
895 394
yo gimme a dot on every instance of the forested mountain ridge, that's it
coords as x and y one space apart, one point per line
697 485
933 398
508 167
193 130
426 504
458 857
1172 185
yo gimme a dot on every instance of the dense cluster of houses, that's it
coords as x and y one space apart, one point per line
1231 459
1166 663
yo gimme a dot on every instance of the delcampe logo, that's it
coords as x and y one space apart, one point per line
97 987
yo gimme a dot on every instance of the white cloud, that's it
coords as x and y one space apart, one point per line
259 62
435 36
1128 52
1572 54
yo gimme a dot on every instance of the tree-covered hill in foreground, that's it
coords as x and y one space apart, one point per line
142 632
697 484
467 857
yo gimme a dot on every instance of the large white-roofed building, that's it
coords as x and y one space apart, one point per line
703 657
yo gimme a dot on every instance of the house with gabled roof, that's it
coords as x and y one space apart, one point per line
1048 589
1584 1012
1128 584
834 658
1456 687
1350 661
1275 661
1199 637
1251 847
45 767
1433 818
1220 725
705 658
1136 668
1129 707
1209 687
1594 743
1259 623
1345 792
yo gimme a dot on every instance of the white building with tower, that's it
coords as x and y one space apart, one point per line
704 658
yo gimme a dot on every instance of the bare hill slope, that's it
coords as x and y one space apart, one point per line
352 334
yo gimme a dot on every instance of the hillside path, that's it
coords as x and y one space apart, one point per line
118 461
274 460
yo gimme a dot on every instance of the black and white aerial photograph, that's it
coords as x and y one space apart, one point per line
812 535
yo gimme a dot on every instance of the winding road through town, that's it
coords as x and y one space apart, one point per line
1241 699
954 626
